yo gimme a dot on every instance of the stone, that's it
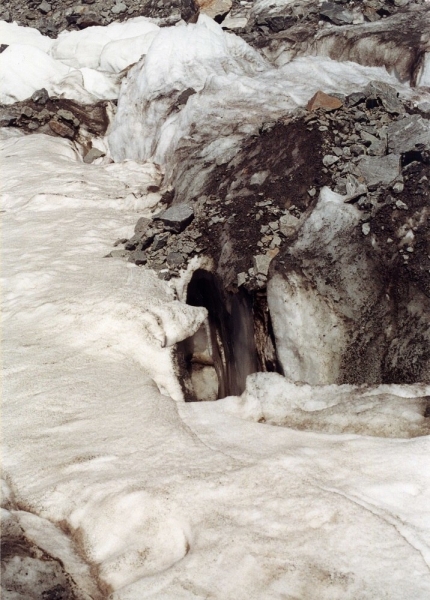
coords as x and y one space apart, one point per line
177 217
160 241
92 155
175 259
241 279
118 8
355 98
330 159
365 228
386 94
401 205
3 47
44 7
118 254
404 135
40 96
325 101
215 8
27 111
190 11
336 14
261 263
183 96
398 187
142 225
288 225
133 242
139 257
66 115
424 107
379 170
61 129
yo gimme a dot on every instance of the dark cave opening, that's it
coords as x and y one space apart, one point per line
236 340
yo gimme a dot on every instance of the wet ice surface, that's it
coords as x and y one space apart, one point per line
171 500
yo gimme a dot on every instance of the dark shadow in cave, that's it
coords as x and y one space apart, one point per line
237 340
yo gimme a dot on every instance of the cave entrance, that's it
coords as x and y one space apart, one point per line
235 340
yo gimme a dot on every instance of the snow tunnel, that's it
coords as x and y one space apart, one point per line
236 340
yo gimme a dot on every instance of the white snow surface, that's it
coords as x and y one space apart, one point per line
165 499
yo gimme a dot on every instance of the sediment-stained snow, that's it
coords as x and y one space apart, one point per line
165 499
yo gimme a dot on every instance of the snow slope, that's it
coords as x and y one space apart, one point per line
164 499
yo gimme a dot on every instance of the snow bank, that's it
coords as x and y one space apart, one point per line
386 410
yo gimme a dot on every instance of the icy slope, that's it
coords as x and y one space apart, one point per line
163 497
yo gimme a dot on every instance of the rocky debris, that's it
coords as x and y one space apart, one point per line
215 8
325 101
378 91
56 116
93 155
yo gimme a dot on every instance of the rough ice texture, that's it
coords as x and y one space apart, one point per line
173 500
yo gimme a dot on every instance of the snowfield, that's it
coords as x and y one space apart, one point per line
146 495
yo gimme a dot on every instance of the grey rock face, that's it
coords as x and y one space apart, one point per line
176 218
92 155
379 170
40 96
386 94
336 13
406 134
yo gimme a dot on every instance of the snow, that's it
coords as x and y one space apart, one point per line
164 499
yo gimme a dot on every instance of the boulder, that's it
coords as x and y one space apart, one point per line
405 135
379 170
177 217
322 100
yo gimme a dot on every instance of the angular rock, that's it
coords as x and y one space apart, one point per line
190 11
118 8
330 159
215 8
261 263
44 7
139 257
61 129
160 241
241 279
325 101
336 14
288 225
386 94
177 217
142 225
40 96
404 135
92 155
3 47
379 170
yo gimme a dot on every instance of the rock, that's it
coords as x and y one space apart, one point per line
139 257
401 205
133 242
404 135
118 8
142 225
117 254
66 115
176 218
183 97
190 11
215 8
288 225
160 241
92 155
61 129
398 187
27 111
241 279
261 263
40 96
386 94
3 47
336 14
424 107
44 7
330 159
379 170
175 259
322 100
355 98
365 228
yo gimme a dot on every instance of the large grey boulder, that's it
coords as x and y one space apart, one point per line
379 170
176 218
405 135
